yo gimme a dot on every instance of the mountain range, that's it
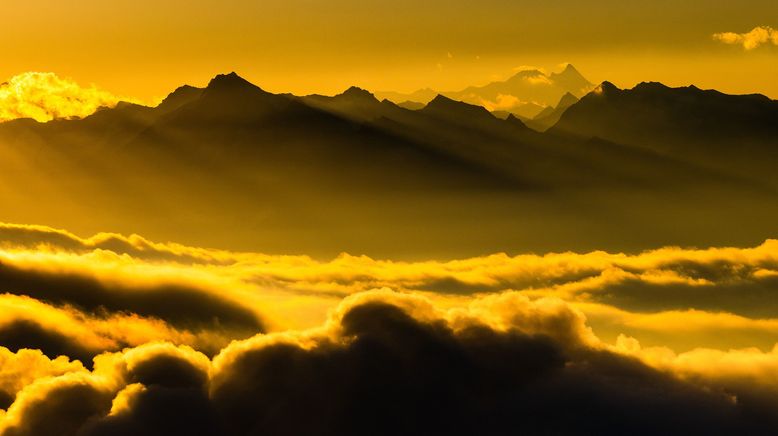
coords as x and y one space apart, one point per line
526 94
323 174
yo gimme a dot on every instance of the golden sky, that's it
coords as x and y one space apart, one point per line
113 333
145 49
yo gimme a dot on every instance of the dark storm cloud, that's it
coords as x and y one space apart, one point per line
385 371
62 411
160 410
173 400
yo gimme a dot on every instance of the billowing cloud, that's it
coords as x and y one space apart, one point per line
25 366
385 363
750 40
153 338
45 96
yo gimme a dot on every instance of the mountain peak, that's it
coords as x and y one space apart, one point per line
570 72
650 86
570 69
524 74
444 105
606 88
440 99
515 121
229 81
566 101
571 80
182 95
357 92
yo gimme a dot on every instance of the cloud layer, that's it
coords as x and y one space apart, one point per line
750 40
116 334
384 364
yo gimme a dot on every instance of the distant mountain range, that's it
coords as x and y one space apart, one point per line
233 165
526 94
732 133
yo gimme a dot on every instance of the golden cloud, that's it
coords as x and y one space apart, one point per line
297 291
750 40
45 96
123 324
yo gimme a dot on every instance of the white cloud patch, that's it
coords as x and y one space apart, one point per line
750 40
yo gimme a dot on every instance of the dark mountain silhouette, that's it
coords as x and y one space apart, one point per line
354 103
179 97
446 108
729 132
246 129
233 165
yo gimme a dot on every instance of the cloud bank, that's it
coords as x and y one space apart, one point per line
385 364
750 40
45 96
116 334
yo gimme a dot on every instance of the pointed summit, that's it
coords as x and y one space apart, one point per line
566 101
570 69
230 82
571 80
570 72
513 120
233 98
440 100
